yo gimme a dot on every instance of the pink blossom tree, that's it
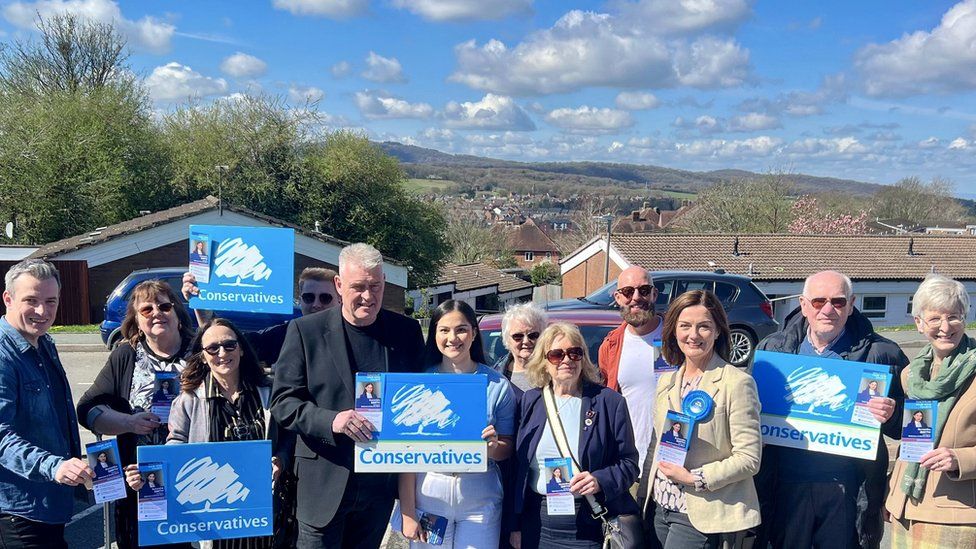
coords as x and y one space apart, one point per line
809 217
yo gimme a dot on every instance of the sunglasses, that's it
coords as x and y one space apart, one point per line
531 335
628 291
147 310
308 298
835 302
556 356
214 348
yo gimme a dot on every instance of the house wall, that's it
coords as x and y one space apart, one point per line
897 297
588 276
538 257
105 277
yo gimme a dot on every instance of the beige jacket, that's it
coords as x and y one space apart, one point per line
727 446
949 498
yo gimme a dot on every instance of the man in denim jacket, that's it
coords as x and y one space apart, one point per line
39 443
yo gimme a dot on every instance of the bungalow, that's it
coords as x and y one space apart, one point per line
886 269
160 239
482 286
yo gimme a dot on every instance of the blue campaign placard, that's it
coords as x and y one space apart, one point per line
431 422
819 404
214 490
251 269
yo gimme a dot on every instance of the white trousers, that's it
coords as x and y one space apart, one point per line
471 503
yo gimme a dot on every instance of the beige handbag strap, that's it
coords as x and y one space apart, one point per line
562 443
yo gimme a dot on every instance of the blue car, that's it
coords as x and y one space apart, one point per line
116 302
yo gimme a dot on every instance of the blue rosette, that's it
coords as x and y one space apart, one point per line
697 404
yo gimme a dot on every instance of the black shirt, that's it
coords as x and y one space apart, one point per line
365 348
267 343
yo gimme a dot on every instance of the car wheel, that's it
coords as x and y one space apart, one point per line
741 343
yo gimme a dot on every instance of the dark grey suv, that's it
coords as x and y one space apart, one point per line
750 312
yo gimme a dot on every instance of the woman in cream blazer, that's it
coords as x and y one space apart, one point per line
711 500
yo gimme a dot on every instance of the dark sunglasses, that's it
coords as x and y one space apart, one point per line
556 356
628 291
531 335
835 302
309 298
214 348
147 310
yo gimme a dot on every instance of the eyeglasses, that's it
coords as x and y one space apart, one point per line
628 291
936 321
835 302
531 335
556 356
308 298
214 348
147 310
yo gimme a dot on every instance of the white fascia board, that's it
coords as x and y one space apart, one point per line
589 251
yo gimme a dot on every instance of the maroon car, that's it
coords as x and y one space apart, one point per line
594 324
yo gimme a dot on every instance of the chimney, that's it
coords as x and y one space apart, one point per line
911 246
735 247
635 215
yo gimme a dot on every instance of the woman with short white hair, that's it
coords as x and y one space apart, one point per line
521 327
931 502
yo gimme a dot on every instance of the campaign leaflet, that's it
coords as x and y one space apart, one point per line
435 526
152 495
918 429
872 384
369 399
200 257
676 438
108 483
661 366
166 386
558 472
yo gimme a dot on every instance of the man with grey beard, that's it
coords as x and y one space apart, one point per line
628 355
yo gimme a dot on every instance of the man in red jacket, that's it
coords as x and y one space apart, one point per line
627 355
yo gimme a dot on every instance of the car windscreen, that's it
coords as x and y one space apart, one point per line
494 348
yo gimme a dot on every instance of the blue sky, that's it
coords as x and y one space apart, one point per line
868 90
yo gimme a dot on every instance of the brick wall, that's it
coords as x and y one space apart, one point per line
104 278
588 276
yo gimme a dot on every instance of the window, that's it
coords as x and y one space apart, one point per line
908 309
689 285
874 306
663 294
725 292
529 256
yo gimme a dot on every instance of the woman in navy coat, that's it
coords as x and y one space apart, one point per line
600 436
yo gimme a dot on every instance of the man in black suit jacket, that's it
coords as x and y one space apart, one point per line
314 395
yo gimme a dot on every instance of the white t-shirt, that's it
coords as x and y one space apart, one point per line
638 386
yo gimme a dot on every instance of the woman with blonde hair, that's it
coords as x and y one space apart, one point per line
571 412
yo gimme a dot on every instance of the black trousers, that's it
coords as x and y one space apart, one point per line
359 523
18 532
819 515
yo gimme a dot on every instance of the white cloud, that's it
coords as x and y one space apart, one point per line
341 69
380 104
462 10
493 140
689 16
756 146
305 94
492 112
148 33
940 61
586 49
704 124
327 8
959 144
636 101
815 147
753 121
242 65
173 81
383 69
929 143
833 88
590 119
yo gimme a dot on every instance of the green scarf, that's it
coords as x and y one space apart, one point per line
956 372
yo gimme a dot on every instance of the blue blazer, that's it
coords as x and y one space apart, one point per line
606 448
911 430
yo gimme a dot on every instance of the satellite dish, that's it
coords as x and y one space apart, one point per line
9 230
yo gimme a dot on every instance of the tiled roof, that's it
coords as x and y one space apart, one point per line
478 275
529 237
794 257
163 217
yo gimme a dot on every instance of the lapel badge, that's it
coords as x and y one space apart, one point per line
590 414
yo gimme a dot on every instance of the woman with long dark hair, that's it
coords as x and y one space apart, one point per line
471 502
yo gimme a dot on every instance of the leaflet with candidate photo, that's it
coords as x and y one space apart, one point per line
918 432
152 495
369 399
676 438
108 483
558 472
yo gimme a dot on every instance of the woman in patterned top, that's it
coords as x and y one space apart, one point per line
711 500
224 398
156 334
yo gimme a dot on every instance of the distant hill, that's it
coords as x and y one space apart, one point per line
421 162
